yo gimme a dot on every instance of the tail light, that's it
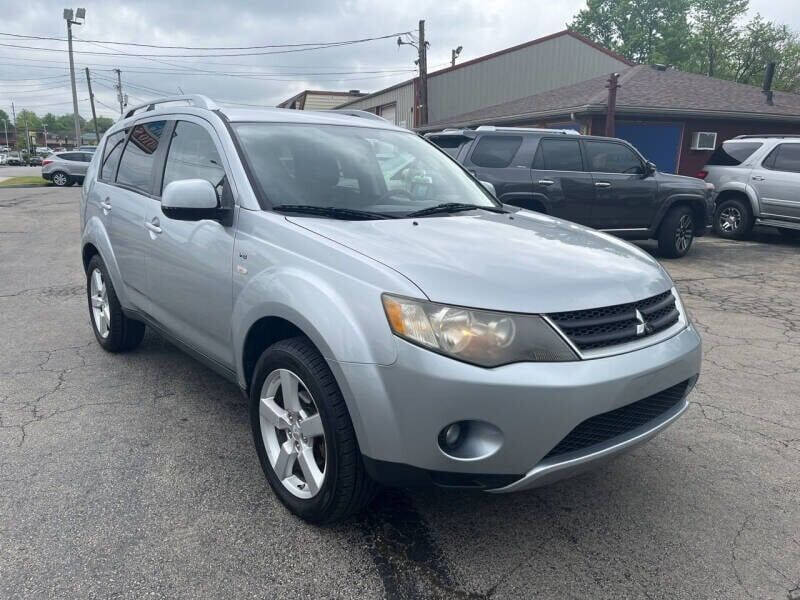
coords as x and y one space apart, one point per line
701 174
46 162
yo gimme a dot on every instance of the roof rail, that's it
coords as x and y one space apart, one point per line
364 114
195 99
527 129
767 135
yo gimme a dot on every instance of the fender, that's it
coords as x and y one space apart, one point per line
341 330
670 201
95 233
744 188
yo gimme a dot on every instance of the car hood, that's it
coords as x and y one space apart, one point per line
521 262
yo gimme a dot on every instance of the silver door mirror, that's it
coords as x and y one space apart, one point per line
489 188
190 200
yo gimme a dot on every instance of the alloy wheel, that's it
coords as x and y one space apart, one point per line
98 295
684 234
730 219
60 179
291 428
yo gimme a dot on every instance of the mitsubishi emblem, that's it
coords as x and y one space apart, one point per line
642 326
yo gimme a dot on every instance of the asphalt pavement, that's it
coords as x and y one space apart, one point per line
133 476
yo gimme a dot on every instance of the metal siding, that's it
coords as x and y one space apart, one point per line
323 102
403 97
538 68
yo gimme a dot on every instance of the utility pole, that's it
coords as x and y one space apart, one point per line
5 128
27 136
423 74
119 91
79 14
14 116
612 87
44 126
91 101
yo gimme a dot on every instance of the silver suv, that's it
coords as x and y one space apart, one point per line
66 168
389 321
757 181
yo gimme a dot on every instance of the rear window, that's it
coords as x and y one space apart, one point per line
138 158
451 144
558 155
496 151
732 154
111 154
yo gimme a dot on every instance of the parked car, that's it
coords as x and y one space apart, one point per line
66 168
14 159
599 182
406 334
756 181
35 161
3 158
87 148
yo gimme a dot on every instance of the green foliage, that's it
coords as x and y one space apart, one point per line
28 118
103 123
700 36
4 116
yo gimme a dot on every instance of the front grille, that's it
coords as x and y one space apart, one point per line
608 425
613 325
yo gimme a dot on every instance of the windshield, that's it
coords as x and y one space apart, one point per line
386 172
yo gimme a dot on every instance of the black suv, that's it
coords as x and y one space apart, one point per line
599 182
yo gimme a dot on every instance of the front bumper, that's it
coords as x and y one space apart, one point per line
399 410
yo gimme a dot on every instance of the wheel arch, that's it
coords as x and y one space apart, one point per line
95 242
737 189
695 203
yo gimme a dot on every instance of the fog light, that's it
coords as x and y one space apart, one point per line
452 435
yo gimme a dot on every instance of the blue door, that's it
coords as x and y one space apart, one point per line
658 142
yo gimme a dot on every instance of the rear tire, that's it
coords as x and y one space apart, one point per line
336 485
733 219
113 330
61 179
676 234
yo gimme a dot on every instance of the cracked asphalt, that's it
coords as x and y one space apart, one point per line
134 476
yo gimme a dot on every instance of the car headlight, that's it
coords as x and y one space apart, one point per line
484 338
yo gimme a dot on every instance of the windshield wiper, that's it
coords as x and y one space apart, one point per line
452 207
335 212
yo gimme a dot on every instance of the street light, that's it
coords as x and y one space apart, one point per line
80 15
454 55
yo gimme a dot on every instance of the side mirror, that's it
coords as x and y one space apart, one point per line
650 168
489 188
191 200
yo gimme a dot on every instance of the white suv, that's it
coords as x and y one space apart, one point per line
757 181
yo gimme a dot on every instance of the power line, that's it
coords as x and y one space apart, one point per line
140 45
289 51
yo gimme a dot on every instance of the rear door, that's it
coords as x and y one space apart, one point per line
777 182
560 180
500 159
625 198
189 263
128 201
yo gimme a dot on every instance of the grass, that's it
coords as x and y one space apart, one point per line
27 180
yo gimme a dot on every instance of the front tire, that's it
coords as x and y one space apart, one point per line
113 330
676 234
733 219
61 179
303 435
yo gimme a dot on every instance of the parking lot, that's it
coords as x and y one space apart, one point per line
132 476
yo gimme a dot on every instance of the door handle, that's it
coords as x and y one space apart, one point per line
153 225
546 182
758 178
602 184
105 205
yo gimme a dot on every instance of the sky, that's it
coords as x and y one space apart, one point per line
38 79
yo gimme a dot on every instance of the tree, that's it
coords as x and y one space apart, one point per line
4 116
29 119
103 123
716 32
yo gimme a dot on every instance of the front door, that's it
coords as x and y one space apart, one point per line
190 262
777 182
499 159
625 198
560 181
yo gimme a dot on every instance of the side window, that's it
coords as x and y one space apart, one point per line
608 157
193 155
87 157
787 158
138 158
558 155
111 154
496 151
73 156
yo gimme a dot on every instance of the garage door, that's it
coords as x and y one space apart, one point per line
388 112
658 142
